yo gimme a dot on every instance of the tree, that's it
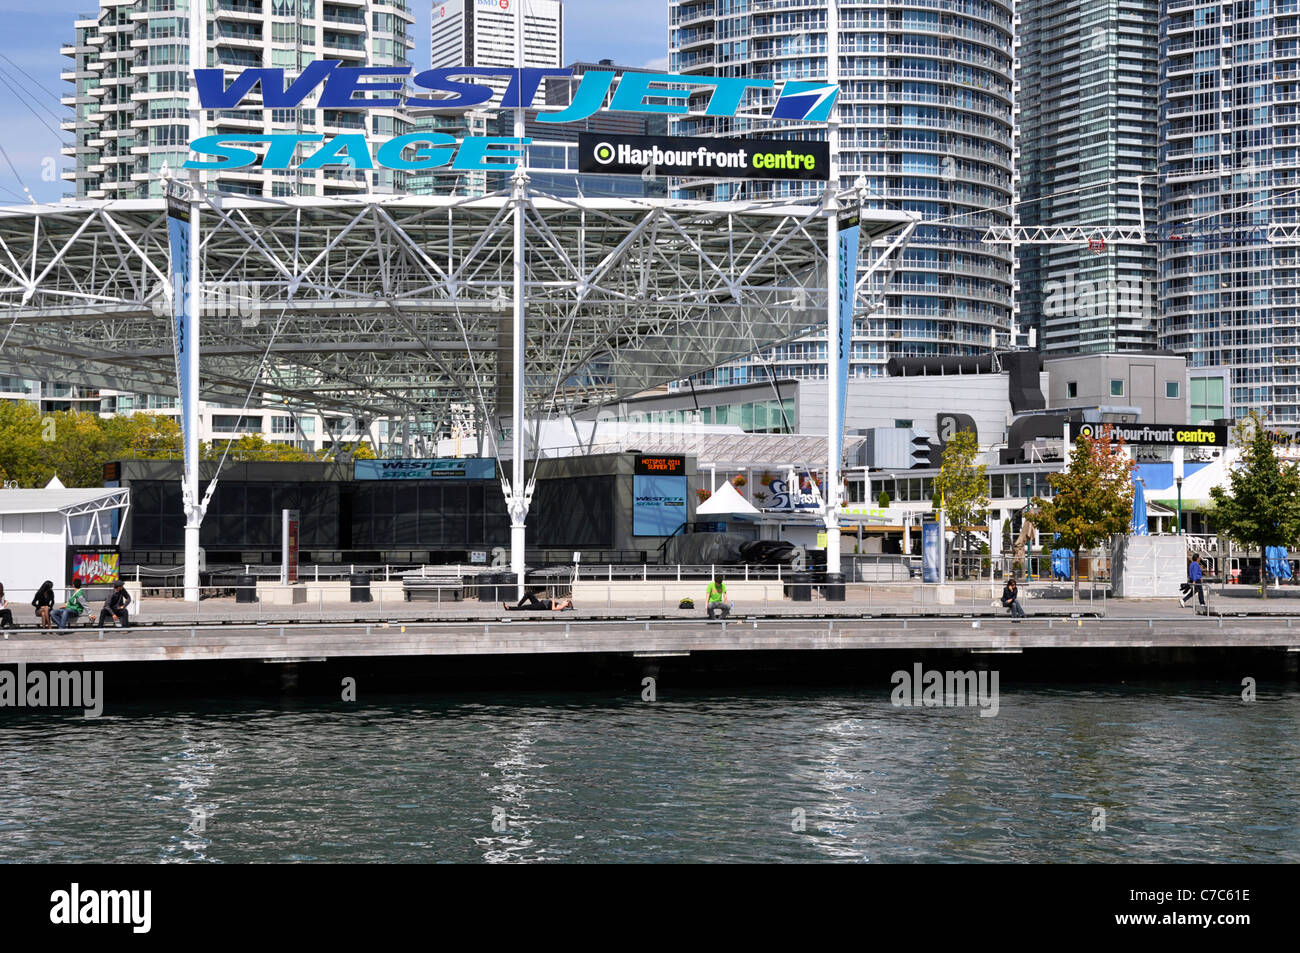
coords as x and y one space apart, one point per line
1093 496
1261 506
961 486
883 500
254 447
142 436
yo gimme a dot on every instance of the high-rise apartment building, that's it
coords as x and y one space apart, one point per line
925 112
1087 138
1230 158
131 77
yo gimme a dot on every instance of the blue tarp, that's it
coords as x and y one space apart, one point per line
1139 522
1276 562
1062 560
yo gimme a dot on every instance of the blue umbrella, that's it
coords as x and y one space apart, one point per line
1279 567
1061 559
1139 522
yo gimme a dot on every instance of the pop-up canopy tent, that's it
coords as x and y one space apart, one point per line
726 501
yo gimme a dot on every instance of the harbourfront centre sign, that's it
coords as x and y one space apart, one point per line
372 87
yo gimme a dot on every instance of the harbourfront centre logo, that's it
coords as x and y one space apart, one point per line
374 87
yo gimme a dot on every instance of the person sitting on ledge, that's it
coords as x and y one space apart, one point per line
72 609
115 607
530 601
6 614
1011 599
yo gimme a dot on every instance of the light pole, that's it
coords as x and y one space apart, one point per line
1179 483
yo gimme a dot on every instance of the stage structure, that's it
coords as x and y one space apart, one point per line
403 306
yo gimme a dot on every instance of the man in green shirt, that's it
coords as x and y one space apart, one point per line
72 609
717 597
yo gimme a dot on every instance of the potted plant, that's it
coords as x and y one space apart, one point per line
703 494
883 500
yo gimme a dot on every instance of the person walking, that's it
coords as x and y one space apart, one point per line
44 603
6 614
72 609
1194 576
1011 600
115 607
717 598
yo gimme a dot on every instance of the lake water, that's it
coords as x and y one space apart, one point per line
1184 772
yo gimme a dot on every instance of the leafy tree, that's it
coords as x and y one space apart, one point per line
142 436
254 447
883 500
1261 506
961 485
1093 496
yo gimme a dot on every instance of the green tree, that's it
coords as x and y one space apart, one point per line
1093 496
1261 506
21 448
254 447
142 436
961 485
883 500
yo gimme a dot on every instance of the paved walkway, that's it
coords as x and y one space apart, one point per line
879 602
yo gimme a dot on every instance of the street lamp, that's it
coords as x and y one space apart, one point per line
1178 481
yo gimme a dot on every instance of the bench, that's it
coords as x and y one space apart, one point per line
433 589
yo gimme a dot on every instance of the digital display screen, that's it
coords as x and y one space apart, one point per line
659 466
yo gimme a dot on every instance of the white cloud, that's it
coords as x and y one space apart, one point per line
659 64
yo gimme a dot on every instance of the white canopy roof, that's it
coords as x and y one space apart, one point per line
726 501
63 500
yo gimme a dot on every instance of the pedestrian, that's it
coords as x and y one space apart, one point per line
44 603
71 610
1194 576
115 607
1011 600
717 598
6 614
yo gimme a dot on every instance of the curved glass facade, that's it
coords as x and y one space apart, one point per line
925 114
1229 141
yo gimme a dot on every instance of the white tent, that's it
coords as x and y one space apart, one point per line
726 501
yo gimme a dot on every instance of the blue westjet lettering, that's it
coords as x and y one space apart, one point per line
354 87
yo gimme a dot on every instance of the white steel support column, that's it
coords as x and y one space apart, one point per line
193 309
518 502
831 489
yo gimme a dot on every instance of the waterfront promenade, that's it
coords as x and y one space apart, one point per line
221 629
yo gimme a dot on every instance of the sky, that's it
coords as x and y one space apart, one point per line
630 32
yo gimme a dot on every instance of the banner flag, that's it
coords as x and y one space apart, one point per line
847 252
178 244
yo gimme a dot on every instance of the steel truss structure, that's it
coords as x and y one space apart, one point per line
400 306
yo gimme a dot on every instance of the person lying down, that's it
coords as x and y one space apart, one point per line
530 601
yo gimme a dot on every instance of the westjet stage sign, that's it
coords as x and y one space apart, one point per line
359 87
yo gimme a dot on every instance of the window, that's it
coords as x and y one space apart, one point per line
905 424
1171 389
1071 389
1206 399
1116 388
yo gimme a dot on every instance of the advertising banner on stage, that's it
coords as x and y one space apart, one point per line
178 245
693 156
454 468
847 252
930 552
658 504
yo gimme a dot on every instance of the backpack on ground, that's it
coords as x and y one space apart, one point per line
687 603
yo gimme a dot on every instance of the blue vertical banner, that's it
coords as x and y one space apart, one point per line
847 252
178 245
930 552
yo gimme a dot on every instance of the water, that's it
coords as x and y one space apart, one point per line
1184 772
